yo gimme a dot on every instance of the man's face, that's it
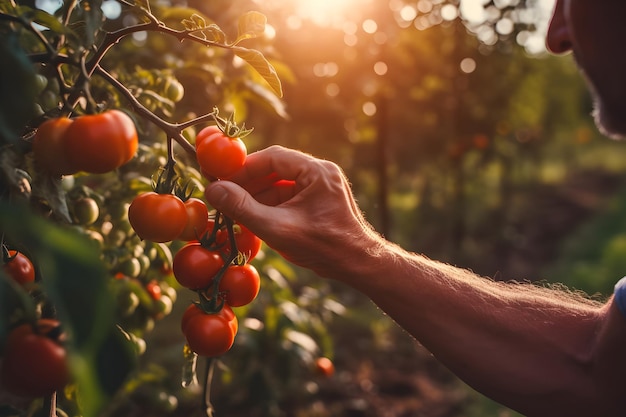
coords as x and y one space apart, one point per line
595 31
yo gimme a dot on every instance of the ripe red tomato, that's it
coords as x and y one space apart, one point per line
205 133
19 267
49 147
226 312
248 244
220 156
197 219
195 266
209 335
102 142
157 217
154 289
324 366
240 285
34 365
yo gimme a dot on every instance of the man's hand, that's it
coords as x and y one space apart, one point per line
300 206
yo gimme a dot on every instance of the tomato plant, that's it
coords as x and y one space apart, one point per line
100 143
49 147
195 266
19 267
209 335
197 219
240 285
157 217
219 155
35 364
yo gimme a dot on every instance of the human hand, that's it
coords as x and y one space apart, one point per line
300 206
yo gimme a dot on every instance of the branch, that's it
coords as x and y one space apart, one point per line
172 130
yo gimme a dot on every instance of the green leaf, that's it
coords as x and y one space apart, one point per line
90 12
251 25
47 20
50 189
268 97
262 66
17 83
214 33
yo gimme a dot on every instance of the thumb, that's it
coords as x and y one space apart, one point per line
234 202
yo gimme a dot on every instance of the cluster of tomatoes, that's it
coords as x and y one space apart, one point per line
215 262
222 280
95 143
35 361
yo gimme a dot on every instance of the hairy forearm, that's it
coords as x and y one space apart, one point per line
528 347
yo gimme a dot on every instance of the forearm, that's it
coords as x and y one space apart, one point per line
530 348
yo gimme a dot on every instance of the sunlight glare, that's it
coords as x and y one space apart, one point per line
326 12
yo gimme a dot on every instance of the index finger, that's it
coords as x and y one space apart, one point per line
270 165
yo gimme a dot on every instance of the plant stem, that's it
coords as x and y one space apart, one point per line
206 397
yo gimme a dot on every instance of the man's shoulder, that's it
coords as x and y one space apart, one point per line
620 295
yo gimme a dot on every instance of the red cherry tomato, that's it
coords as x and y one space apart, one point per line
102 142
157 217
324 366
240 285
197 219
19 267
154 289
226 312
205 133
209 335
34 365
195 266
220 156
49 147
248 244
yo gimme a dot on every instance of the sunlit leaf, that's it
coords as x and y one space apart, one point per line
198 21
251 25
215 33
268 97
262 66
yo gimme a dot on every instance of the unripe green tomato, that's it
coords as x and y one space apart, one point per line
85 211
95 237
174 90
41 82
162 307
48 100
116 238
129 267
144 261
119 211
170 292
127 303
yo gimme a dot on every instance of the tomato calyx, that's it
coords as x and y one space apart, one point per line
229 127
166 181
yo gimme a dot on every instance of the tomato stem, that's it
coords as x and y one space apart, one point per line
50 404
208 380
